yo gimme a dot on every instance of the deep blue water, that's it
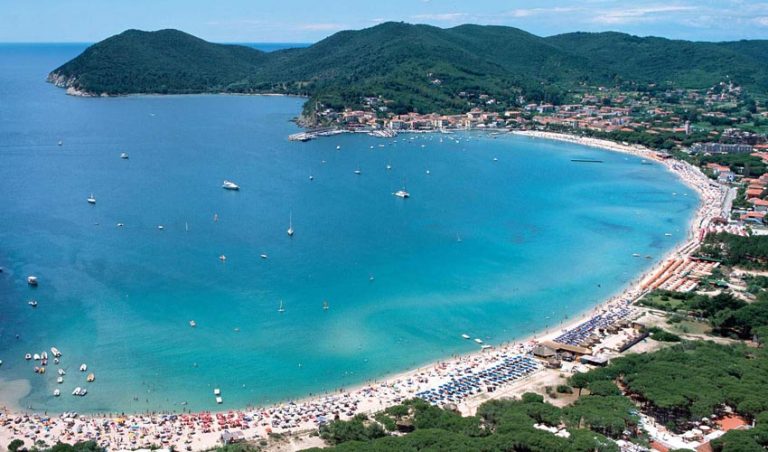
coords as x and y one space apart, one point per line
541 238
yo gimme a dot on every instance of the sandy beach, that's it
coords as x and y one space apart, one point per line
458 379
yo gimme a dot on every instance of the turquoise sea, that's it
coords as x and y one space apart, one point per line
495 249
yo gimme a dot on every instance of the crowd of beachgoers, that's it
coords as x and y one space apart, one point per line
454 380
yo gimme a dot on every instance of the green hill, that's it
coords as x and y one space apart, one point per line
418 67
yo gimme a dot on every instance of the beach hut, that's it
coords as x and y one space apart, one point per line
542 351
231 437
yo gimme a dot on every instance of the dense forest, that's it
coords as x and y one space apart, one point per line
416 67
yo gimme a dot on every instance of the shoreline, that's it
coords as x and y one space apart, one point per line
301 415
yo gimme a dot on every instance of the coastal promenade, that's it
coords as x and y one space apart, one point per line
460 380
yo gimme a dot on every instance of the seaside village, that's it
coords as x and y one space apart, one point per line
733 200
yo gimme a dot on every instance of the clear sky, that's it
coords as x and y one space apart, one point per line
312 20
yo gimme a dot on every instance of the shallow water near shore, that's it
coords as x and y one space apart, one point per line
494 249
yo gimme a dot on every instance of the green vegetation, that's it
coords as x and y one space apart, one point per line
736 250
658 334
500 425
688 381
83 446
728 315
413 67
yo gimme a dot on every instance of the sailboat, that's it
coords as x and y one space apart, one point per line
186 226
357 171
325 306
91 199
290 225
458 237
281 309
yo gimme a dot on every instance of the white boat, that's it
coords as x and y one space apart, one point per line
36 357
61 143
56 392
83 392
338 147
217 392
32 303
28 356
635 255
124 156
389 166
357 171
192 323
465 336
495 159
219 400
290 225
55 351
44 356
668 234
229 185
263 256
478 340
60 380
32 280
90 378
281 309
160 227
325 306
91 199
61 372
222 258
402 194
428 173
486 347
83 367
77 391
311 177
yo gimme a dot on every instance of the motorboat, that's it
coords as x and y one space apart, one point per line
281 309
32 303
36 357
124 156
91 199
325 306
478 340
28 356
61 372
402 194
465 336
160 227
263 256
192 323
56 392
217 391
32 280
77 391
222 258
60 380
55 351
229 185
83 367
90 377
219 400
